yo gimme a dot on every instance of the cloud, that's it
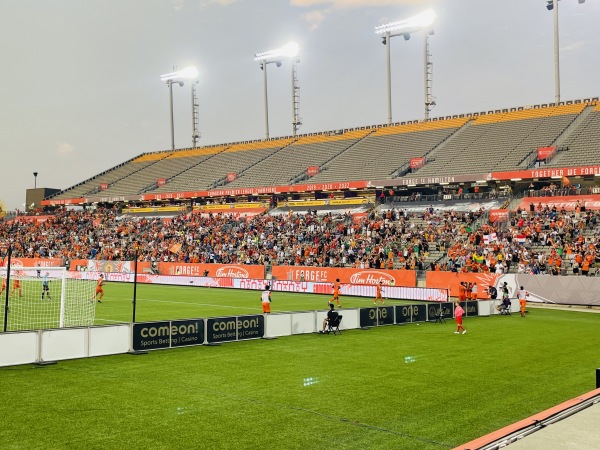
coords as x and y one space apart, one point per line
573 47
314 18
64 148
355 3
218 2
177 4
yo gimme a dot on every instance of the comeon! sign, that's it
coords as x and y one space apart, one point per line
176 333
225 329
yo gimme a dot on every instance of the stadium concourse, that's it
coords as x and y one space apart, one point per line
387 236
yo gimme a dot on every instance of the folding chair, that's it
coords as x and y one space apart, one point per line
334 325
441 317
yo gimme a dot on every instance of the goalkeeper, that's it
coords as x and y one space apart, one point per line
46 286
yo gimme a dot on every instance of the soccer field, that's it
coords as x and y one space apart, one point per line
411 386
159 302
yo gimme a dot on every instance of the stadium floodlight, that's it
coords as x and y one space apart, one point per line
189 73
276 57
552 5
289 50
35 174
178 76
404 28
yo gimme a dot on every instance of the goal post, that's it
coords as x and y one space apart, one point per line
47 297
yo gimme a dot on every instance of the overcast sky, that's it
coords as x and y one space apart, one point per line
80 87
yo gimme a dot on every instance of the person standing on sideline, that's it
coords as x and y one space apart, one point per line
462 291
474 290
458 315
99 289
46 286
505 291
336 293
522 295
378 294
266 300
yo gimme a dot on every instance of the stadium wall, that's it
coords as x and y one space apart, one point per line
307 287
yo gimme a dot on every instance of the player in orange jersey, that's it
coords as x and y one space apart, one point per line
3 285
99 289
336 293
378 294
522 295
16 286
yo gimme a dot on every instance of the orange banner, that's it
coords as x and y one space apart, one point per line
78 264
32 262
498 215
311 171
346 275
417 163
214 270
452 280
545 152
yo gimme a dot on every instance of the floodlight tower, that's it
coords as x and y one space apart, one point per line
428 75
553 5
274 57
195 115
404 28
178 76
296 120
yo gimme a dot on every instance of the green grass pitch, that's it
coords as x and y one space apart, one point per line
394 387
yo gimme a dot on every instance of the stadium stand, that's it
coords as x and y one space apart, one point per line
290 163
166 168
583 145
503 141
385 151
236 159
93 185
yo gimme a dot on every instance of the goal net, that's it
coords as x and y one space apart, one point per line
46 297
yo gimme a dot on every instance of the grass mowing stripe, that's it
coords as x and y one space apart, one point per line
199 304
328 416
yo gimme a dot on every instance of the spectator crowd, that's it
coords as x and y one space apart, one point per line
541 240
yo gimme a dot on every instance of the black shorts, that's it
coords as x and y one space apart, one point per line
45 287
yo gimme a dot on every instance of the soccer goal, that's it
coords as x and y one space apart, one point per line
46 297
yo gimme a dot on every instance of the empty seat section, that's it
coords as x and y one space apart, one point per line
166 167
291 162
583 145
385 150
182 164
502 141
93 185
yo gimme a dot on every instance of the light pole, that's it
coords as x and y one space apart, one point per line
195 115
274 57
296 120
553 5
404 28
179 76
35 174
